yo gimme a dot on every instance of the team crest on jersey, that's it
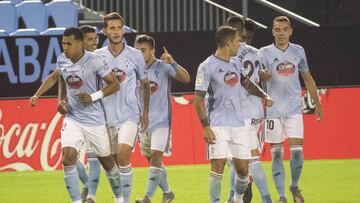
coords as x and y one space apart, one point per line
119 74
154 87
286 68
231 79
74 81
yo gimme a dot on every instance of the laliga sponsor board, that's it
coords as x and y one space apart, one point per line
30 136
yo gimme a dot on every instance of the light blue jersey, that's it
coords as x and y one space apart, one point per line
284 87
248 58
221 80
160 75
128 67
84 76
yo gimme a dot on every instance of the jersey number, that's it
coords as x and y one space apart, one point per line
270 124
250 65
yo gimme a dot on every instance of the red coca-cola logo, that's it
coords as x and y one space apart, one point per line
29 140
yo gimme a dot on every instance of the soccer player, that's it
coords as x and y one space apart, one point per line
155 141
123 108
284 61
250 28
90 182
223 120
253 110
84 114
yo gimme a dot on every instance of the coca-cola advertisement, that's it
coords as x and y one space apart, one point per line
29 136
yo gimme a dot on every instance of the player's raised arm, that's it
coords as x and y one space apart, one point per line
253 89
181 74
312 88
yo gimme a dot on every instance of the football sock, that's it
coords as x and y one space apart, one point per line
71 178
278 171
296 163
126 181
163 182
153 180
215 187
114 180
258 174
82 173
94 174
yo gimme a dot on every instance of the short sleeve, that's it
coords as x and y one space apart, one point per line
202 78
140 67
170 70
303 65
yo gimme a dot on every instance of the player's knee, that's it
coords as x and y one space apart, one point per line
107 162
217 165
69 156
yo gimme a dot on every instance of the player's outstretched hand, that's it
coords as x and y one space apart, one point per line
265 75
144 121
84 98
62 107
167 57
209 135
33 100
268 101
318 113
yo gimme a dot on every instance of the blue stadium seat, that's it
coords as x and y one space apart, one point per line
54 31
15 1
8 12
63 12
33 14
3 33
25 32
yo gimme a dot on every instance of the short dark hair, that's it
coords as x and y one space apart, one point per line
78 35
250 25
146 39
281 19
113 16
236 22
223 35
87 29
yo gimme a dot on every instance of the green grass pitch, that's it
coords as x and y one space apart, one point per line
322 181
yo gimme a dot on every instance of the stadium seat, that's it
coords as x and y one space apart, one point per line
54 31
8 12
3 33
25 32
63 12
33 14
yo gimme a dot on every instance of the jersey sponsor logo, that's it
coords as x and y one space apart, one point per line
119 74
231 79
286 68
154 87
74 81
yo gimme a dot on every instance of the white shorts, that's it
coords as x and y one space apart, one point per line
159 140
113 137
73 134
277 130
252 129
127 133
230 142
